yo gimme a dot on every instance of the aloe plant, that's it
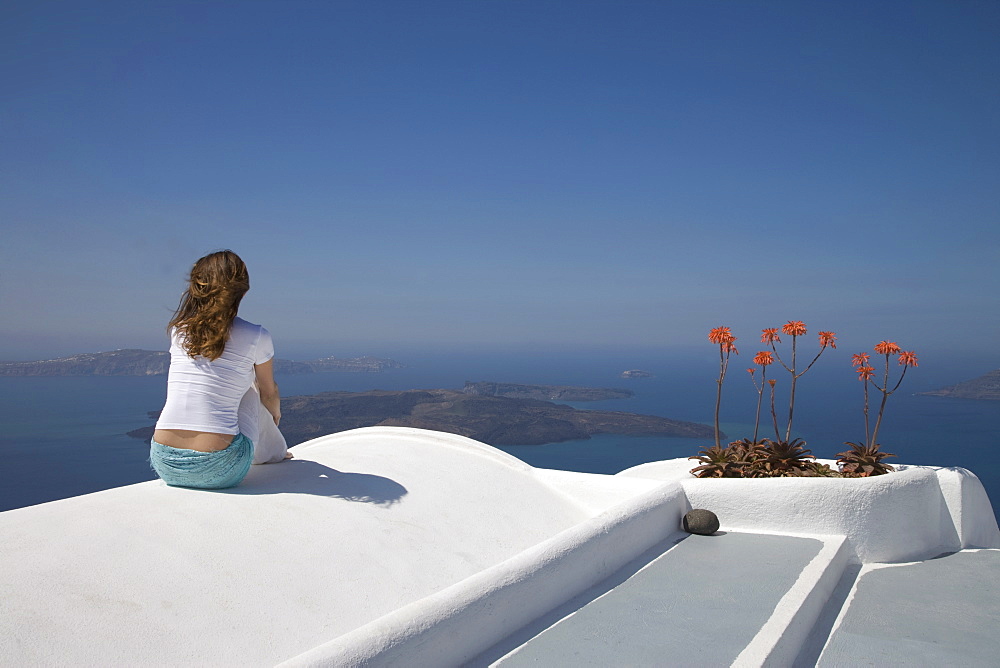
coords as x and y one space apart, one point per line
780 458
716 462
758 459
862 461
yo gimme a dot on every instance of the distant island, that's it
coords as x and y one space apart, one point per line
986 386
364 364
636 373
135 362
545 392
126 362
490 419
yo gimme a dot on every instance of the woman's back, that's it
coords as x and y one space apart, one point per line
204 395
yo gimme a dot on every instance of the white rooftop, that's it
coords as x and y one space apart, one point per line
397 546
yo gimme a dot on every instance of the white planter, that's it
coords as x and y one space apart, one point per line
916 512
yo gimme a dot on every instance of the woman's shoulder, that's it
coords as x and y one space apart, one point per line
246 335
251 340
239 324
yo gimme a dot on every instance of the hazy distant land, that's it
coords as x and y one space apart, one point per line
986 386
496 420
545 392
134 362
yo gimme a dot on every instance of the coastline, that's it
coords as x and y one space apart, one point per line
83 448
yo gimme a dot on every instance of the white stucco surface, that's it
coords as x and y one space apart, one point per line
396 546
916 512
359 525
455 624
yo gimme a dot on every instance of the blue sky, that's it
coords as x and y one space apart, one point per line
534 174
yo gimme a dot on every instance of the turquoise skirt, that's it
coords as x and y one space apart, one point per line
180 467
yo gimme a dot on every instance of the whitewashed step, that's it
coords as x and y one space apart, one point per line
939 612
728 599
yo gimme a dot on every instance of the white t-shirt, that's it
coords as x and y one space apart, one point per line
203 394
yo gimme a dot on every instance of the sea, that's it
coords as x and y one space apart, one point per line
65 436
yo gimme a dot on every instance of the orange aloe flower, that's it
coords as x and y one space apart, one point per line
771 381
728 347
865 372
721 335
908 358
794 328
860 359
763 358
751 371
827 339
887 348
770 335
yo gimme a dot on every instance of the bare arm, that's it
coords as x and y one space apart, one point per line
269 395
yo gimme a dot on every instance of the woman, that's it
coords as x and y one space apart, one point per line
201 438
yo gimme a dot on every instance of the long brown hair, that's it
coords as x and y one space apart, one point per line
208 307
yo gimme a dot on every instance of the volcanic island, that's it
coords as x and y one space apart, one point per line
480 411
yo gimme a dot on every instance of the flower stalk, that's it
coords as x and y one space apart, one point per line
723 337
795 329
763 359
866 374
774 414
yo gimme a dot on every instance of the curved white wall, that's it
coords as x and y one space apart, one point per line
915 513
